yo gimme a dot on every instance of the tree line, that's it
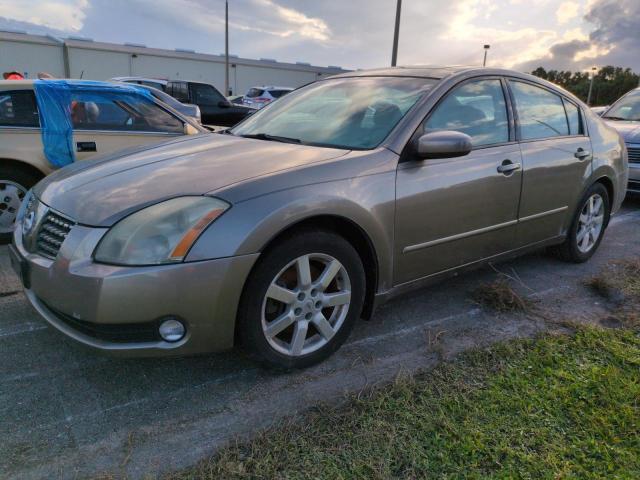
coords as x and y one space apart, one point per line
609 84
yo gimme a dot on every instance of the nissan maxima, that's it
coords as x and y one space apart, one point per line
280 233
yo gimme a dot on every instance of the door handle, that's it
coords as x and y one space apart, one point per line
86 147
581 154
508 167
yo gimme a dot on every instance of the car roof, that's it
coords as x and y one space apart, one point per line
141 79
422 71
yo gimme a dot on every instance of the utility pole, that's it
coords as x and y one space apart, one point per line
486 50
226 48
593 75
396 34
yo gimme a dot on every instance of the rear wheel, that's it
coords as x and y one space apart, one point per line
588 226
302 300
14 184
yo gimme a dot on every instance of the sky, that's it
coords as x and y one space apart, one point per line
523 34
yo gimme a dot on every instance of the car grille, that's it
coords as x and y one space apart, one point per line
634 154
52 233
111 332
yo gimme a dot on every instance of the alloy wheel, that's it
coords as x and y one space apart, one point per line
590 223
306 304
11 195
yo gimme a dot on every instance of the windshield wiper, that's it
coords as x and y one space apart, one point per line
615 118
271 138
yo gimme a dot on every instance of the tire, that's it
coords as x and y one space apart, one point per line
576 248
303 303
14 184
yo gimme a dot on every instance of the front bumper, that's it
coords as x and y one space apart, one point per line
116 308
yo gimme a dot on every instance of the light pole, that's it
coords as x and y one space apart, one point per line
486 50
396 34
593 75
226 48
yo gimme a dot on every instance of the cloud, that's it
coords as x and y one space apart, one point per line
56 14
298 22
357 33
614 39
567 11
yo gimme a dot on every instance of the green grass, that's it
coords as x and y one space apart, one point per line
556 407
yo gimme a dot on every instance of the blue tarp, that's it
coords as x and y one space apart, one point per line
54 99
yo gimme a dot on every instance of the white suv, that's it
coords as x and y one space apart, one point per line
258 97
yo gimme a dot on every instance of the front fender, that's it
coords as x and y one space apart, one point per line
250 225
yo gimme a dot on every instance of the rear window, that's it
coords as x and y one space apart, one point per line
278 93
255 92
18 109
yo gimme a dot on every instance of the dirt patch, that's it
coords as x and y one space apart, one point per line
500 296
618 282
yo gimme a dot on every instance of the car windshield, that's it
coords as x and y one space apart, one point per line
627 108
350 113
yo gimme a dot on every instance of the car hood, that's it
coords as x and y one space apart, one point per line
102 191
630 131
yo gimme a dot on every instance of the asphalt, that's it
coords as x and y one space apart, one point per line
67 411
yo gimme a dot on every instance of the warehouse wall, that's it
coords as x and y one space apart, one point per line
97 65
31 58
102 61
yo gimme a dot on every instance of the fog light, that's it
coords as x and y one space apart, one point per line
171 330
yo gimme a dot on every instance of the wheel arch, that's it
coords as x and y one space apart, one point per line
27 167
608 184
350 231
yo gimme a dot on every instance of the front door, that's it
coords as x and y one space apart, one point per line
451 212
104 123
556 156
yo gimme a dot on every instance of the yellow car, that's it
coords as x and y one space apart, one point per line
46 124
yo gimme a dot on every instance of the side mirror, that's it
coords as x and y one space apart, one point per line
443 144
224 104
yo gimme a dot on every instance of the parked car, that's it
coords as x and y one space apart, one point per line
599 110
157 83
190 111
624 116
215 109
103 120
280 233
258 97
158 89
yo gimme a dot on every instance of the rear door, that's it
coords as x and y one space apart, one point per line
454 211
104 123
556 156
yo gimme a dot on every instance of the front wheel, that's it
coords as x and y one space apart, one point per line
301 300
14 184
588 226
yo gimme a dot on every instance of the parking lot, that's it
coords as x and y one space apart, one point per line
68 411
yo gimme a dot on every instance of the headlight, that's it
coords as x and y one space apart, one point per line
162 233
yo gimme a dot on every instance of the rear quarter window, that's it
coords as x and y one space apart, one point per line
18 109
254 92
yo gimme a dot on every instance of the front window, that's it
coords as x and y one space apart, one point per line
122 113
477 108
627 108
350 113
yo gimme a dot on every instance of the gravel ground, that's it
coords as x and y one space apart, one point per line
67 411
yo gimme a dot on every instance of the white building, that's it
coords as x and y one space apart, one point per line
84 58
